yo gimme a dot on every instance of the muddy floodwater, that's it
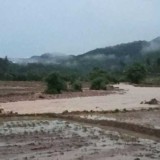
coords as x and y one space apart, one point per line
128 97
115 126
53 139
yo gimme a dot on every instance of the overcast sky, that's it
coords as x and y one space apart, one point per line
34 27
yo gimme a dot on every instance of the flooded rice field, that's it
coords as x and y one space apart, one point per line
53 139
85 127
149 118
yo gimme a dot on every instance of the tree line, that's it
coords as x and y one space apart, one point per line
62 77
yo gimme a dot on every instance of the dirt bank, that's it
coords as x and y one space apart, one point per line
13 91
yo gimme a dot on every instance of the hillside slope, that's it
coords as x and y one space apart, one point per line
117 57
111 58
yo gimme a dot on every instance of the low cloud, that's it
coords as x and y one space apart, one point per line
152 47
99 57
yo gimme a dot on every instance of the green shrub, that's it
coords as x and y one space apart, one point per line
55 84
136 73
97 72
98 83
76 86
116 110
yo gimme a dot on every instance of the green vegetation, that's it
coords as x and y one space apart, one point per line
136 73
99 67
152 80
97 72
55 84
98 84
76 85
99 79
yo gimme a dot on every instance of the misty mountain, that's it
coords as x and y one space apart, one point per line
117 57
112 58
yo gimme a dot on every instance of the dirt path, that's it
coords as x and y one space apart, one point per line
131 99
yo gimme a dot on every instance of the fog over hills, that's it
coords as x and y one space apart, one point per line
46 58
111 57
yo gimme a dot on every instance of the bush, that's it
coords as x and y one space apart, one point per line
98 84
116 110
55 84
136 73
77 86
97 72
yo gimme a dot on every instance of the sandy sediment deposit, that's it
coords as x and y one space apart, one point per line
130 99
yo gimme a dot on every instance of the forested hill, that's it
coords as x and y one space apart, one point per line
119 56
111 59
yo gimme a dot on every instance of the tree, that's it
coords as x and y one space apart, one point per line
77 85
98 84
97 72
55 83
148 61
136 73
158 62
4 66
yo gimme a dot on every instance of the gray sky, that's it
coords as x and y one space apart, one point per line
33 27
